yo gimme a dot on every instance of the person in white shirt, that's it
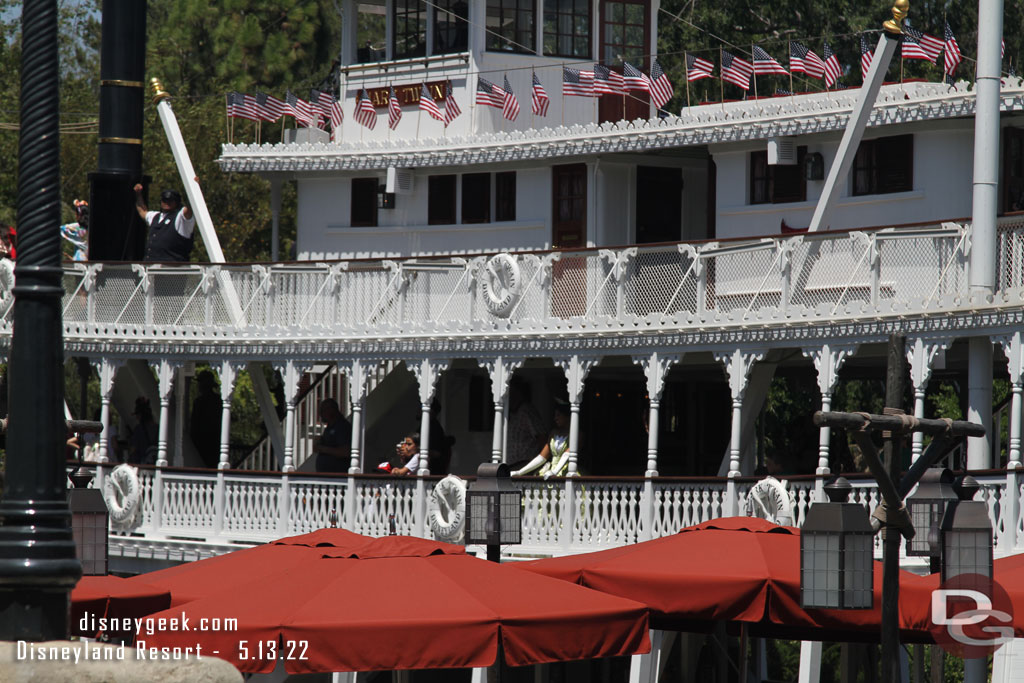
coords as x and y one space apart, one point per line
408 452
171 229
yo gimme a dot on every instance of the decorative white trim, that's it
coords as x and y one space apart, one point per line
736 121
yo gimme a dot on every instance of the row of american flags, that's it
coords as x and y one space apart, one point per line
914 44
322 109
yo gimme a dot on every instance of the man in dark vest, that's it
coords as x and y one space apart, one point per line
170 229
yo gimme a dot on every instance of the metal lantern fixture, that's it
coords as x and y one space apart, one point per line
385 199
88 524
966 534
836 557
495 509
814 166
927 505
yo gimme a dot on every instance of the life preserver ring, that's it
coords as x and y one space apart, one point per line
502 284
122 493
448 518
770 499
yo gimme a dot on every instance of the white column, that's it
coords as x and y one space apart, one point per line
358 374
107 371
228 375
1013 348
576 369
656 368
921 355
810 661
979 401
291 374
165 377
427 372
738 364
827 360
500 369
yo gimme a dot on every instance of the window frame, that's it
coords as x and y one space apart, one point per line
440 8
504 196
476 199
409 9
435 189
876 159
551 12
768 182
355 191
516 8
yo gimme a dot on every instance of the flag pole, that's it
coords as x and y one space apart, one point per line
533 74
792 93
753 65
686 70
721 83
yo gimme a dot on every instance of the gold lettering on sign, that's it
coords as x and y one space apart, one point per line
408 95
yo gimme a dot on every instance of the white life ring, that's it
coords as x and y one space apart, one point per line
122 493
502 284
770 499
448 518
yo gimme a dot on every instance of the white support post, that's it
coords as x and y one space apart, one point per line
107 372
738 364
165 376
828 359
810 661
1013 349
275 211
500 369
645 668
884 51
979 401
228 376
921 355
427 372
656 368
291 374
181 410
358 375
576 369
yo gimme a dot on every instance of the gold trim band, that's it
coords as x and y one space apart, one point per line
124 84
122 141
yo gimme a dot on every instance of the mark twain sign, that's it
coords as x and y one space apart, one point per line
408 94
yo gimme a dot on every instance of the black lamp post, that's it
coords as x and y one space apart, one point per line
966 534
38 567
836 556
927 505
495 508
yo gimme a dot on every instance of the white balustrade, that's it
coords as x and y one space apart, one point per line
605 512
843 275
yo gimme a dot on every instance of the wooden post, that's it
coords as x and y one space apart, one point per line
895 379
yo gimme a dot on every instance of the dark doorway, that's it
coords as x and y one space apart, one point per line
569 230
659 204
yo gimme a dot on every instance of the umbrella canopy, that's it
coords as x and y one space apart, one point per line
1008 574
430 605
732 569
97 602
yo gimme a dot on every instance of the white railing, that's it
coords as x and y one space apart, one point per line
774 279
559 516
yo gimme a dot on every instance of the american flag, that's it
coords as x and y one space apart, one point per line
451 107
802 60
832 69
230 100
661 87
607 82
242 107
952 50
365 114
489 94
394 109
697 68
917 45
866 56
428 104
736 70
540 98
510 107
329 107
269 108
764 63
634 79
573 83
301 110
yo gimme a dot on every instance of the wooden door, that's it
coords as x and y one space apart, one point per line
568 231
625 37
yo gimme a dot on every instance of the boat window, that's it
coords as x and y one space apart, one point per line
1013 169
505 196
410 29
567 28
441 199
884 165
364 203
371 21
777 184
451 32
476 198
510 25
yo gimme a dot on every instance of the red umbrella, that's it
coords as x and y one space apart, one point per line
393 603
102 604
733 569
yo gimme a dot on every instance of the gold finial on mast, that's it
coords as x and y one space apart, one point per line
160 94
899 13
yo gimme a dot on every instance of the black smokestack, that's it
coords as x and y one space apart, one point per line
116 233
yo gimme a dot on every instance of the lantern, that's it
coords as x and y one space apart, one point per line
495 509
836 557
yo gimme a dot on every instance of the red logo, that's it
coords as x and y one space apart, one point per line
971 616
